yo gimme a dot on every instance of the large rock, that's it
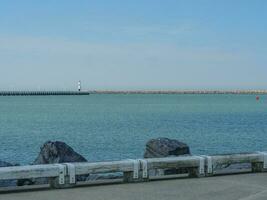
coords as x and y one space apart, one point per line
7 183
51 153
57 152
164 147
6 164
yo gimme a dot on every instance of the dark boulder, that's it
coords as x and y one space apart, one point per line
57 152
6 164
164 147
7 183
52 153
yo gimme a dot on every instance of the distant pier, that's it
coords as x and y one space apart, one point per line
257 92
41 93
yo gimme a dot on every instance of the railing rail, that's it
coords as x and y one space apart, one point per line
65 174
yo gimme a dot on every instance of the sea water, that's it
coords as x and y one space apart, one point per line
117 126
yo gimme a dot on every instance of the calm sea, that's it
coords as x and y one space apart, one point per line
111 127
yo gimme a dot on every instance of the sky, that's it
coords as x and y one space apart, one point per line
133 45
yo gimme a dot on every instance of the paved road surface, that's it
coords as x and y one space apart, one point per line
241 187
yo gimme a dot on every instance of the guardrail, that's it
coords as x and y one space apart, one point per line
65 174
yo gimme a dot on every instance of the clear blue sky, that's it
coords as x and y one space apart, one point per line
140 44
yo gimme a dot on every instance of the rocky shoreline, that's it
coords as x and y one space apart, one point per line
59 152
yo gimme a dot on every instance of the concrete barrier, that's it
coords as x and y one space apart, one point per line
65 174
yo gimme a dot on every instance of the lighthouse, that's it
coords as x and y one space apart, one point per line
79 86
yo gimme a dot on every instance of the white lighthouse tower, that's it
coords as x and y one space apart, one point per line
79 86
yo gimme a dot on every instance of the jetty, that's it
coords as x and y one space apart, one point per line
201 177
41 93
263 92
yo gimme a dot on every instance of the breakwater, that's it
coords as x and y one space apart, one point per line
41 93
178 92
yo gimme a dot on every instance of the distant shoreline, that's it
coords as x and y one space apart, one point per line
87 92
178 92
